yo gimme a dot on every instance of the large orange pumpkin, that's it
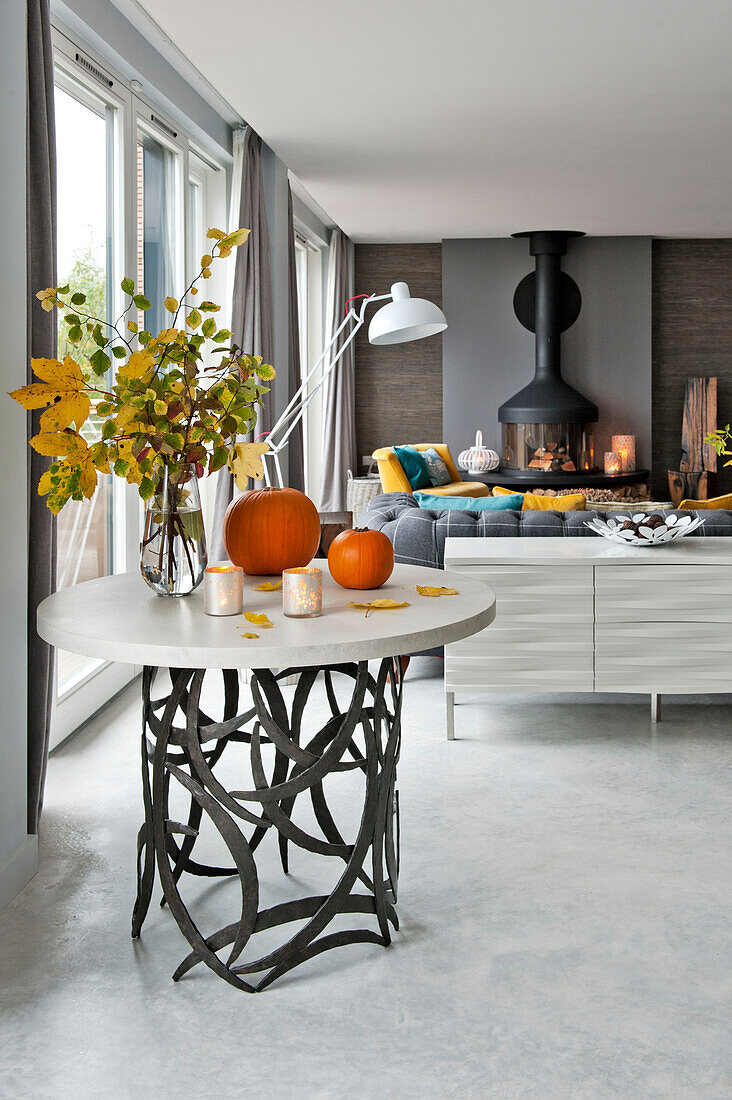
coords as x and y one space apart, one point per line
361 558
268 530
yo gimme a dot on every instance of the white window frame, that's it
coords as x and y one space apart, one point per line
99 682
312 333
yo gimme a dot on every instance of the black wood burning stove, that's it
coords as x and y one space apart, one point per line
546 427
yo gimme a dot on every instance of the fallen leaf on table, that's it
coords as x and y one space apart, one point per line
267 586
257 620
429 590
376 605
248 634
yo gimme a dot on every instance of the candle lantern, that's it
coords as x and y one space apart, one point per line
302 592
223 589
612 463
624 447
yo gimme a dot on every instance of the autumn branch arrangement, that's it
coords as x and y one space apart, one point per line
160 410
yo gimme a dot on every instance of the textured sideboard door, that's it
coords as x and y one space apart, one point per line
661 628
542 637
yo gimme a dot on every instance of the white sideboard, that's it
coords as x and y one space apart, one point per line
588 614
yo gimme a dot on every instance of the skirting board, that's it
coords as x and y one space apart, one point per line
18 869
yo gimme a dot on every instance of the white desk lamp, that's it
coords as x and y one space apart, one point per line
403 319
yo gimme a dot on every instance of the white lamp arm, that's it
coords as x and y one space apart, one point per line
279 434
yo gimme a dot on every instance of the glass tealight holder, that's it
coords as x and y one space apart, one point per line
223 589
302 592
624 447
612 462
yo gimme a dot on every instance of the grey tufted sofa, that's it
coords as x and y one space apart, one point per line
418 534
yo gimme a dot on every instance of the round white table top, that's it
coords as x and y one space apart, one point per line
119 618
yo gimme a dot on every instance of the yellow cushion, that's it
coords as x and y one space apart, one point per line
532 502
460 489
574 503
713 502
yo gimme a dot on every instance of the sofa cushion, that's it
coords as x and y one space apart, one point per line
418 534
436 467
468 504
414 466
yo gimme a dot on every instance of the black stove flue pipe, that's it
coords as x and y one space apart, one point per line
547 302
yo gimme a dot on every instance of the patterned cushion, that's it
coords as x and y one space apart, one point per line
418 534
436 467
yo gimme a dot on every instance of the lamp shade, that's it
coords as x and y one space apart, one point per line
405 318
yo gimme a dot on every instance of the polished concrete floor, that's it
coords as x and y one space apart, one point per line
565 903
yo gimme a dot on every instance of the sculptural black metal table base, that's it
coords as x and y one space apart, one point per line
362 736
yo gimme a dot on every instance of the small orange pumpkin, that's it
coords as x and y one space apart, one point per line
361 558
268 530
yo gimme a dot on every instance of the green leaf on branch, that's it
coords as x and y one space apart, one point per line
141 302
208 328
118 351
98 337
78 299
193 319
100 362
209 307
146 488
74 334
222 336
127 285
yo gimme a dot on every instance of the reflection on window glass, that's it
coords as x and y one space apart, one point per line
156 222
83 257
195 226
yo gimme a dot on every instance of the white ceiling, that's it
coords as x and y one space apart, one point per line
415 120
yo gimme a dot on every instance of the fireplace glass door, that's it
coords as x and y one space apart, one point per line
547 448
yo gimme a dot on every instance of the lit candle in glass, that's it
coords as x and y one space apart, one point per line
624 447
223 589
612 463
302 592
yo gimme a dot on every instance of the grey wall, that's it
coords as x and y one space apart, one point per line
487 355
17 851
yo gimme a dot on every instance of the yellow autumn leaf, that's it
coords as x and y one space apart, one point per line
429 590
246 462
267 586
171 304
248 634
61 387
137 365
376 605
59 444
258 620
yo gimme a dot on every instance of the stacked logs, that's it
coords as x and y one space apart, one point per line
551 458
624 494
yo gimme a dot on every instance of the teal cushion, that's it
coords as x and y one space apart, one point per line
436 467
470 504
414 466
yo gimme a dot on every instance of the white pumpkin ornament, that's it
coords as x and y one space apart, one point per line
478 459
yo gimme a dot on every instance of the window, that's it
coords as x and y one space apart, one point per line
133 198
309 273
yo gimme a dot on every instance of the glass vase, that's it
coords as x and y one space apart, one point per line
173 553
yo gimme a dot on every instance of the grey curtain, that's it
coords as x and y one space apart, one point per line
339 428
41 272
295 453
252 307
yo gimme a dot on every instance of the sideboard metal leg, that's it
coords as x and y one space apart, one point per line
450 714
655 707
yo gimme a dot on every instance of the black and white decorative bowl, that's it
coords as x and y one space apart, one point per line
672 527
